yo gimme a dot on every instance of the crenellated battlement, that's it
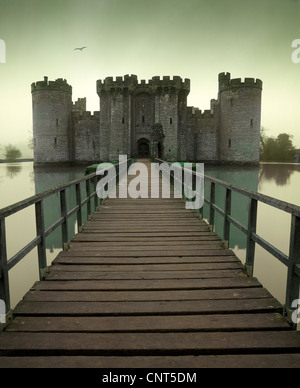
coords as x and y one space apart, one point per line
77 115
79 105
130 82
58 84
198 113
168 82
225 82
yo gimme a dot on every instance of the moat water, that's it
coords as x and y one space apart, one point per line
19 181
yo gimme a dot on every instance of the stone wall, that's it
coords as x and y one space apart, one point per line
202 136
86 136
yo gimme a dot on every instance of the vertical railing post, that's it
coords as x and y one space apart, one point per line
78 203
63 206
250 251
183 184
88 193
194 187
201 208
227 211
96 199
293 280
4 279
40 231
212 201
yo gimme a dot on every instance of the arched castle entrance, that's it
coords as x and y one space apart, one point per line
143 148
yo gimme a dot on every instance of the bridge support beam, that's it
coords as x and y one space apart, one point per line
250 252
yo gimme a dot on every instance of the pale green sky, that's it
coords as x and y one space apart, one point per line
194 39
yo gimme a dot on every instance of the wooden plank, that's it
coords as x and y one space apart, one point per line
94 245
215 267
288 360
155 210
93 258
164 323
143 240
125 229
192 244
131 253
130 275
125 296
153 284
146 234
150 216
155 255
151 219
118 344
26 307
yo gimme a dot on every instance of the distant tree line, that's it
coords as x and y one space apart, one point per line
11 152
279 149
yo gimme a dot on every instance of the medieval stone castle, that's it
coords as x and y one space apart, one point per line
146 119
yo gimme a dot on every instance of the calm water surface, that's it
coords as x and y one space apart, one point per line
19 181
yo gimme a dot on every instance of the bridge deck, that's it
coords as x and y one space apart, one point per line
146 284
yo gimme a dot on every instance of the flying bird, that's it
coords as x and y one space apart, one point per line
80 48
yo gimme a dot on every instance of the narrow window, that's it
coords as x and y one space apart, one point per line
229 143
57 122
143 103
171 120
251 123
123 121
55 141
143 119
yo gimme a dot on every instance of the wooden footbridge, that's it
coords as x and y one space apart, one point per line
146 283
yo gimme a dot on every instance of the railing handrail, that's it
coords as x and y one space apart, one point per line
291 261
272 201
23 204
17 206
275 202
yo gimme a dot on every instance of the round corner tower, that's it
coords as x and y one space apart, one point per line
51 109
240 116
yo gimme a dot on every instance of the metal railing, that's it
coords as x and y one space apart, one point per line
291 261
39 241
